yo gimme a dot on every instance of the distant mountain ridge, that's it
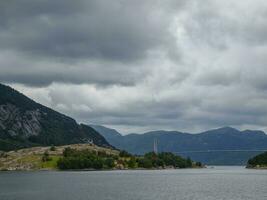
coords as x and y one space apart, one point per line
25 123
210 147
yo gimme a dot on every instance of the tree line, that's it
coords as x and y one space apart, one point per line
259 160
87 159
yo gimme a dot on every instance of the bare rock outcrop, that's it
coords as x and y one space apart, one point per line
16 122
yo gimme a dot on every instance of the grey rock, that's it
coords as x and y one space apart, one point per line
16 122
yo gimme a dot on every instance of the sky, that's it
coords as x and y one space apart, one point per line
140 65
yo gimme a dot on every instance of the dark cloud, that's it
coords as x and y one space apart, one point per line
83 41
117 30
43 72
140 65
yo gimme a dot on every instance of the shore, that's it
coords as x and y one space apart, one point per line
32 159
257 167
96 170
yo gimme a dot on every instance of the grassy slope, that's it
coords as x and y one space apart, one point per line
31 158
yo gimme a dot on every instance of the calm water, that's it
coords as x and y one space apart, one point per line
219 183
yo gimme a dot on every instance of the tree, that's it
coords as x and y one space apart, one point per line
260 160
109 162
145 163
98 164
132 163
188 162
124 153
52 148
46 157
67 152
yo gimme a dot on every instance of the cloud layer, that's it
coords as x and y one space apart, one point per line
140 65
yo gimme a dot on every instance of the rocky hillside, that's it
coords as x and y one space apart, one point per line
25 123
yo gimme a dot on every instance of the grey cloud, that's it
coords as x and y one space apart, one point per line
117 30
40 73
222 24
78 42
141 65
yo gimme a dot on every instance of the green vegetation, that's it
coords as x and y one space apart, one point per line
259 161
51 164
86 159
124 153
52 148
46 157
164 159
28 162
37 158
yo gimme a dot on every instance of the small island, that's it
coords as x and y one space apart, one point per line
89 157
258 162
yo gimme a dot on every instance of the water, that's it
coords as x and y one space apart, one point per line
219 183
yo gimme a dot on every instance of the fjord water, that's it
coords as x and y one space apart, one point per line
220 183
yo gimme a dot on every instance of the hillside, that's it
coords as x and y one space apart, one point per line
25 123
197 146
31 158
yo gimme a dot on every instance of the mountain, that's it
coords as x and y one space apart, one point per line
25 123
109 134
210 147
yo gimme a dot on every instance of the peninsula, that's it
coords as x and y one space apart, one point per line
88 157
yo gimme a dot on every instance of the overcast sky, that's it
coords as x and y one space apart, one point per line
140 65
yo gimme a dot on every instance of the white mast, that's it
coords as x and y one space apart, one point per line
155 146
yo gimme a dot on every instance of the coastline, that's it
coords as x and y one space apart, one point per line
257 167
98 170
22 169
32 159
